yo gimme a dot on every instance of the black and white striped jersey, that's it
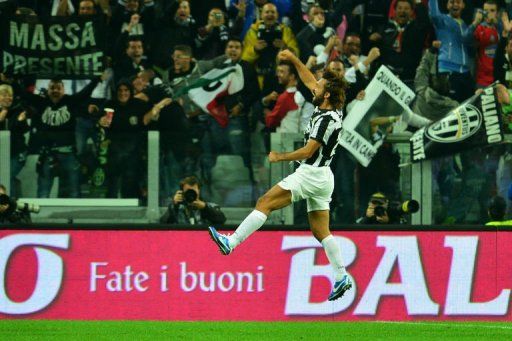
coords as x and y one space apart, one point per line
324 127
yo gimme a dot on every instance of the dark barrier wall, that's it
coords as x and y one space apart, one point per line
277 274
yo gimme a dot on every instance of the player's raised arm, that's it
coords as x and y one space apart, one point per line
305 75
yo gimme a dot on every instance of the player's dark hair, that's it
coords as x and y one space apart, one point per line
335 86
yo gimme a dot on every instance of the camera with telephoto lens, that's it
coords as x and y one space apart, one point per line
190 196
396 210
17 211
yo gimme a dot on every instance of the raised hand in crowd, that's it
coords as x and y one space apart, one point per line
479 16
375 37
507 25
312 61
134 21
22 116
241 6
92 109
154 113
272 97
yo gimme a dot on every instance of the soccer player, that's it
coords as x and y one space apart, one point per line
313 179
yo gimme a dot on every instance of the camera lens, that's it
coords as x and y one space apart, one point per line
190 196
379 211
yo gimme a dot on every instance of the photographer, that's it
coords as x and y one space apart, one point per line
188 208
13 212
381 211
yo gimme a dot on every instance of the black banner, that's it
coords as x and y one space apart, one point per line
66 47
475 123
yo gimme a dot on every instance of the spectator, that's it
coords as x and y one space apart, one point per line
86 7
315 33
487 36
212 38
201 10
175 141
253 10
14 118
265 39
432 88
285 117
456 40
125 130
55 136
502 68
134 18
132 62
496 210
351 55
186 70
402 38
176 27
187 206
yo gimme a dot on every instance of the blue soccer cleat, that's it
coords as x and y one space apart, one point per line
340 288
221 241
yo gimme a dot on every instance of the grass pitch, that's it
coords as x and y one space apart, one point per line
139 330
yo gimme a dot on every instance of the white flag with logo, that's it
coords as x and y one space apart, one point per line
208 90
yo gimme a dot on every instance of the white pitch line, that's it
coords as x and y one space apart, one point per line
446 324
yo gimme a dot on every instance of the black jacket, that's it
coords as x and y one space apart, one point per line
308 38
55 122
127 128
181 214
502 64
404 63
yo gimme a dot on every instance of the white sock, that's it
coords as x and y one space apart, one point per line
333 252
251 223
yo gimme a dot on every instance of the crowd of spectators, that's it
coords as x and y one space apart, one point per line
443 50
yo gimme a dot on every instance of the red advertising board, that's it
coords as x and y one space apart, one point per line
180 275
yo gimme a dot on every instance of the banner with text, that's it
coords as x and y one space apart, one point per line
364 128
273 276
66 47
475 123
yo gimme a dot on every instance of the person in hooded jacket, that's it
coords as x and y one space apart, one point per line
123 122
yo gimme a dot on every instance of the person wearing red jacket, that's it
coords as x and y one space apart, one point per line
285 117
487 36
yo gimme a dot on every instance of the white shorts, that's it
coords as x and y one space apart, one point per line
315 184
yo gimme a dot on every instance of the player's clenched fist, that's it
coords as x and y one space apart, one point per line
273 157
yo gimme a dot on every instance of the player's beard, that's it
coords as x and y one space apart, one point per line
318 99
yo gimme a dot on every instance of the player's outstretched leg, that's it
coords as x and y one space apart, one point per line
274 199
319 221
